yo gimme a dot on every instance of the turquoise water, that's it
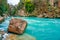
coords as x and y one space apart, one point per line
40 28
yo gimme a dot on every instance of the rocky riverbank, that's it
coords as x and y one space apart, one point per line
42 9
44 13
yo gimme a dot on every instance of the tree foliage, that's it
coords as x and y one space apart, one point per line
13 11
29 7
3 7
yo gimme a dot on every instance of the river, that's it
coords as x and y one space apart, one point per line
40 28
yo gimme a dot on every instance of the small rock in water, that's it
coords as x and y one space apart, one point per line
17 25
2 31
5 36
1 34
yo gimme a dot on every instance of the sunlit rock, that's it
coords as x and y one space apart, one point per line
1 34
50 15
21 13
17 26
58 15
41 15
11 37
25 37
20 37
5 36
1 19
51 2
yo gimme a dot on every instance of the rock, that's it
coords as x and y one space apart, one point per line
58 15
5 36
1 34
17 26
1 19
25 37
50 15
51 2
21 13
20 37
11 37
41 15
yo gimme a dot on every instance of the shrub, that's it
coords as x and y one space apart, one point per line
29 7
3 7
13 11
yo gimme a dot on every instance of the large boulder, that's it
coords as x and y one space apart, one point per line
17 26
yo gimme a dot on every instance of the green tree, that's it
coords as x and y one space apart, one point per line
29 7
3 7
13 11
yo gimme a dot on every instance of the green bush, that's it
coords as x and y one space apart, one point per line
13 11
3 7
29 7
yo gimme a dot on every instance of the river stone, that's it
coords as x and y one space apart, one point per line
17 26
